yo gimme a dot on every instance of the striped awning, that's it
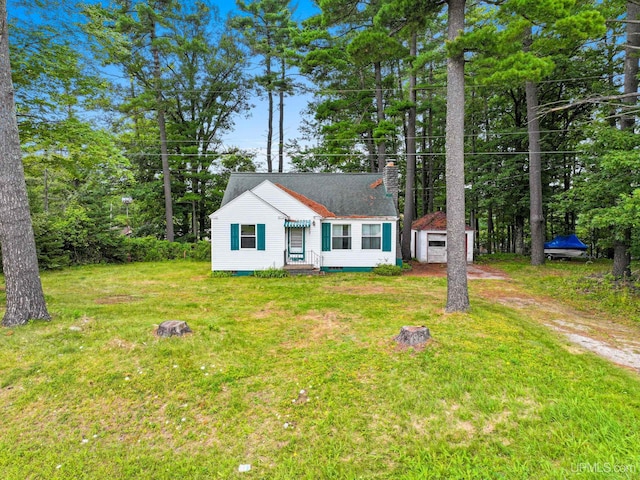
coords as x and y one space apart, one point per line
297 223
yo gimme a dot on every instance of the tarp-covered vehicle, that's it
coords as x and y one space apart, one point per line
565 246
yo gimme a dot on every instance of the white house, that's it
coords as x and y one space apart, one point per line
328 222
429 239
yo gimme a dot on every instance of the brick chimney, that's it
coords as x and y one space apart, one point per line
390 179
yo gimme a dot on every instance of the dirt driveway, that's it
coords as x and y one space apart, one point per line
617 342
440 270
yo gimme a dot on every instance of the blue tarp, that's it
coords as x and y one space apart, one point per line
566 241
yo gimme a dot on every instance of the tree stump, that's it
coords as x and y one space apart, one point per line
173 327
413 336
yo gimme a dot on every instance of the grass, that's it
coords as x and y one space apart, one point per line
586 285
95 394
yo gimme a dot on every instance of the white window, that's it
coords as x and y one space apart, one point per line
247 236
371 237
341 237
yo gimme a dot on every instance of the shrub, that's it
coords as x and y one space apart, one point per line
221 274
388 270
151 249
49 243
271 272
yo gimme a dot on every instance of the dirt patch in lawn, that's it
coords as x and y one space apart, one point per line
612 340
364 289
116 299
474 271
322 327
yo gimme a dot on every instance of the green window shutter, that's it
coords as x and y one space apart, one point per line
326 237
261 236
235 236
386 237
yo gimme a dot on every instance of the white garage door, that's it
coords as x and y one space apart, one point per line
437 248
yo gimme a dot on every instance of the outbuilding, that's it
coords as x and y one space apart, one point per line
429 239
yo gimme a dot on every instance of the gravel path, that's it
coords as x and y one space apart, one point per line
616 342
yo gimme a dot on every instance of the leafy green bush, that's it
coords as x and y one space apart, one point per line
49 243
221 274
388 270
271 272
151 249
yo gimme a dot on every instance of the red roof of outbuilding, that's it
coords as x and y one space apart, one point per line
432 221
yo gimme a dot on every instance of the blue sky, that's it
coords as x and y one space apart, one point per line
250 133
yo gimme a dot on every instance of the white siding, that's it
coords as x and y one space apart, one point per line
421 251
356 256
284 202
294 210
249 210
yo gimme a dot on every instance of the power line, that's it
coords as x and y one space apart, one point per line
356 154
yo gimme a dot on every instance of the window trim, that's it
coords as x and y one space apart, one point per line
341 237
371 237
244 236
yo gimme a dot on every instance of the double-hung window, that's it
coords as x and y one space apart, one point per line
247 236
371 236
341 237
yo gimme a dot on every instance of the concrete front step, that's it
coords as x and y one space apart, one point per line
301 269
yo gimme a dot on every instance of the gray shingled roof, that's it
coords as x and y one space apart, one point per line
344 194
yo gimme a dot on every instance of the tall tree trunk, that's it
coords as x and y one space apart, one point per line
281 119
423 167
536 215
25 298
410 177
270 116
380 107
457 289
164 154
518 235
429 204
621 255
490 231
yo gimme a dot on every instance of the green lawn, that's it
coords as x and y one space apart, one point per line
95 394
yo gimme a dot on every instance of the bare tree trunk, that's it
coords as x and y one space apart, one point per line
536 218
281 119
270 115
380 107
536 215
409 211
490 232
621 254
430 183
166 172
457 289
423 168
25 298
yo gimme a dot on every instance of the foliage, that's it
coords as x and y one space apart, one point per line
221 274
271 272
150 249
586 285
387 270
95 393
91 138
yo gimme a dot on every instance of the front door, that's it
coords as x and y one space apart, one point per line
295 247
